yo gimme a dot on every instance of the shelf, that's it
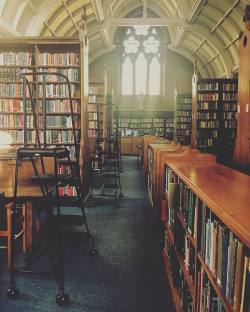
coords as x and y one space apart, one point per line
174 290
58 66
171 235
184 269
183 223
217 289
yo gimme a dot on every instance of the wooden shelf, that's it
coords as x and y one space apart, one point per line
183 223
184 269
174 290
217 289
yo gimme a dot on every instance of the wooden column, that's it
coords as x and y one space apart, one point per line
194 109
242 148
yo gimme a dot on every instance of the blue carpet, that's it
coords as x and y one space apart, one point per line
127 276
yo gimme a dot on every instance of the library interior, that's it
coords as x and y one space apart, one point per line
125 155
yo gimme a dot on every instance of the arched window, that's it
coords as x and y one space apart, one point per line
141 70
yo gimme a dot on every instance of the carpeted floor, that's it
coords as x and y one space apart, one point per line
127 276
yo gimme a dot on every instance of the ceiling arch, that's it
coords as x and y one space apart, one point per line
205 30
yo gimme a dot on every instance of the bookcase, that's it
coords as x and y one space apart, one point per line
207 240
214 115
66 56
169 129
183 118
142 123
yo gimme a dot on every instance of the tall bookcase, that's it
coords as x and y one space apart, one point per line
183 118
214 115
63 55
206 250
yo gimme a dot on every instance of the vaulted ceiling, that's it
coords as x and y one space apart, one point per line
203 30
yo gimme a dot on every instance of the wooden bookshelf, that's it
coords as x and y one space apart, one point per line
220 203
214 115
183 118
61 55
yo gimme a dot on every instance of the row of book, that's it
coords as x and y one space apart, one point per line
229 107
67 190
15 74
208 124
224 254
13 106
16 58
229 115
207 299
184 113
184 119
204 133
212 86
93 115
207 115
93 99
230 87
208 97
230 124
187 126
93 124
58 90
60 121
229 96
92 133
208 106
61 106
59 136
66 58
93 108
183 132
73 74
205 142
16 121
93 90
12 89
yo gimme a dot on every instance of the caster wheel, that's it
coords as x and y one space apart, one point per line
93 252
62 299
12 293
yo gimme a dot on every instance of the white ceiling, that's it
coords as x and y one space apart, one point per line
205 30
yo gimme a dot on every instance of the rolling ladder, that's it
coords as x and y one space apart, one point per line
54 170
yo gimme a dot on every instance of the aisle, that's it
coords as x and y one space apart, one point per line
127 276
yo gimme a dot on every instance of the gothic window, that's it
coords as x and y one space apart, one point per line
141 70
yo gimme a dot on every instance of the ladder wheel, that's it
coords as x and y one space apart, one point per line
12 293
93 252
62 299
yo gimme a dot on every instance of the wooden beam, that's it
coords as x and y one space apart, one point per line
131 21
70 14
97 6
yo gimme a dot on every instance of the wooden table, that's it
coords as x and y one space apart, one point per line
28 192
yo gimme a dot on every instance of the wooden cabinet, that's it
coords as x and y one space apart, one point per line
129 145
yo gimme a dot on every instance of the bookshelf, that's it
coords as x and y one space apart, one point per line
183 118
66 56
214 115
169 129
210 224
142 123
